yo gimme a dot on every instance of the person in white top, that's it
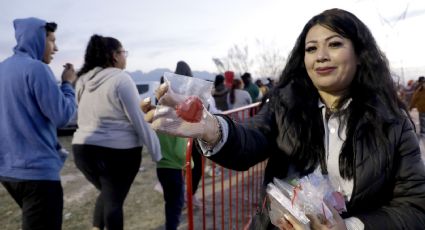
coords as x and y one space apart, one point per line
111 130
237 97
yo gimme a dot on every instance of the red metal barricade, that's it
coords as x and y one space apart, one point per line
228 198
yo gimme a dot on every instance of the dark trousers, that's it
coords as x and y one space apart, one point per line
41 203
197 168
173 186
111 171
422 123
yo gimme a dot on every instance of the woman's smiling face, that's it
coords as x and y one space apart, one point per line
330 60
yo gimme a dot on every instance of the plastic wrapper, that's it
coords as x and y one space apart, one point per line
305 196
181 110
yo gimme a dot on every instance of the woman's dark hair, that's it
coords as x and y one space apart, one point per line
372 85
237 83
183 68
50 27
219 80
99 53
246 78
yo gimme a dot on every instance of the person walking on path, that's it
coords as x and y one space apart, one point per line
107 145
170 169
32 108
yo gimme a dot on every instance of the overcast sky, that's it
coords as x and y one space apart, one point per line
158 33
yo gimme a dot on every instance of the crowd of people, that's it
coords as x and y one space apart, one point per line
241 92
413 95
334 111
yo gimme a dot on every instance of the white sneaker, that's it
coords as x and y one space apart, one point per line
158 188
217 172
207 169
196 202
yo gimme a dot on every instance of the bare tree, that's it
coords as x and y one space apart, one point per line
221 67
392 22
270 61
237 60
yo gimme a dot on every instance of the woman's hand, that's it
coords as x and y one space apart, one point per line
148 109
166 119
288 222
317 224
68 73
146 104
162 89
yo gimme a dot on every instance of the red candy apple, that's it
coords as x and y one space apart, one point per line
190 110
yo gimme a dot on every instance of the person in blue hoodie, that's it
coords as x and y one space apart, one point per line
33 106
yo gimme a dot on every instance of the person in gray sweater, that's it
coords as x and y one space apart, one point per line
111 130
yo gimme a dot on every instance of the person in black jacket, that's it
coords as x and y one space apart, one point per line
334 111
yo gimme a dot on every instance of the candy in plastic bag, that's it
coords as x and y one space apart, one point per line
181 110
304 196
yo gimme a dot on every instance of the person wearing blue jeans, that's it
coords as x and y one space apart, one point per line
170 175
172 183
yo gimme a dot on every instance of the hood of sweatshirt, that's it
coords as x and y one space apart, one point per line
97 76
30 34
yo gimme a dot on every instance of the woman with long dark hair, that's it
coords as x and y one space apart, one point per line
108 143
238 97
334 111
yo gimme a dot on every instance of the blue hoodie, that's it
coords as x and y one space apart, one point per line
32 106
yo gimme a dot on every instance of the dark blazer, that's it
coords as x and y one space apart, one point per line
388 194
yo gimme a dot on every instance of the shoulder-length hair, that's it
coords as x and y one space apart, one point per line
237 84
99 53
371 85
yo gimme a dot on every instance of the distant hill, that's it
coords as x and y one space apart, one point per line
156 74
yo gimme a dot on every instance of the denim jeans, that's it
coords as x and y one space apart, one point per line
173 186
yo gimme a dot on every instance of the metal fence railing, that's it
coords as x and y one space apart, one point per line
229 198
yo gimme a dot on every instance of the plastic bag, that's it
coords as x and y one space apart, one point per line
174 114
281 205
306 195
